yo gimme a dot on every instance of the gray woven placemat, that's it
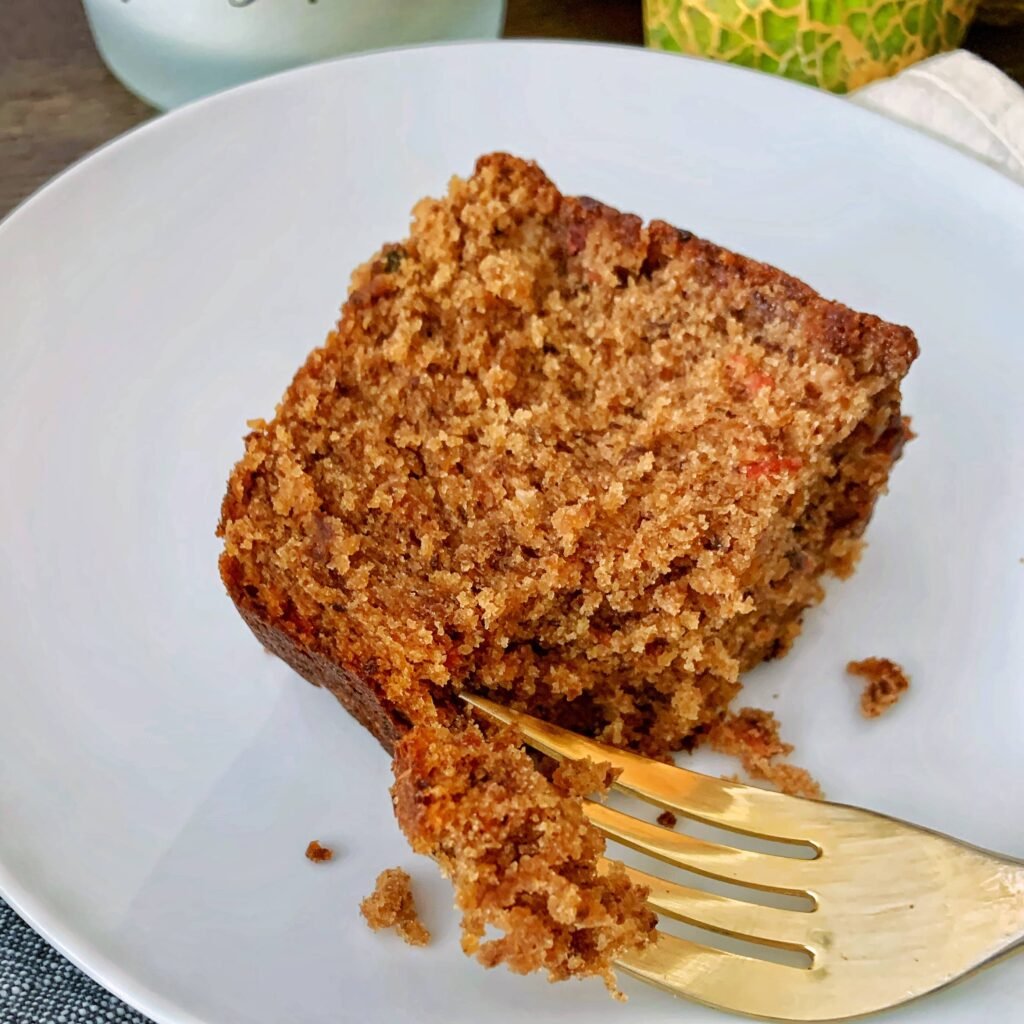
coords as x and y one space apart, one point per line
38 986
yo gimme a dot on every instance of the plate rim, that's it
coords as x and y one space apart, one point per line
35 909
940 148
83 954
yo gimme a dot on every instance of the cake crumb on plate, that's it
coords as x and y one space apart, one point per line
391 905
317 853
667 819
752 735
885 683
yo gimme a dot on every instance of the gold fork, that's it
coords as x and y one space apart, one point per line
896 911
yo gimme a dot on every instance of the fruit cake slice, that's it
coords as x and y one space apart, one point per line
591 467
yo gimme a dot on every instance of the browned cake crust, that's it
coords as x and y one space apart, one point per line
357 691
591 467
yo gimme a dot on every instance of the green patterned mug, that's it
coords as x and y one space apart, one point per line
837 44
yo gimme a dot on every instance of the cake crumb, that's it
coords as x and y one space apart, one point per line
791 780
885 683
752 735
391 905
667 819
521 854
317 853
732 777
585 777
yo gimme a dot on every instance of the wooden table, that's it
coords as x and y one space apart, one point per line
58 101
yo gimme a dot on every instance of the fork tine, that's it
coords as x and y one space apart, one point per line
729 981
758 870
729 805
786 929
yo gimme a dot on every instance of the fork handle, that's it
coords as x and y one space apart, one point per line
1006 902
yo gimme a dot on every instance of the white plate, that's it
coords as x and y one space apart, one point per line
160 775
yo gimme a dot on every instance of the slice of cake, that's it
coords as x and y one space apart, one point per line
592 468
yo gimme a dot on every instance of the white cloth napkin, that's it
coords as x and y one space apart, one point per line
961 99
